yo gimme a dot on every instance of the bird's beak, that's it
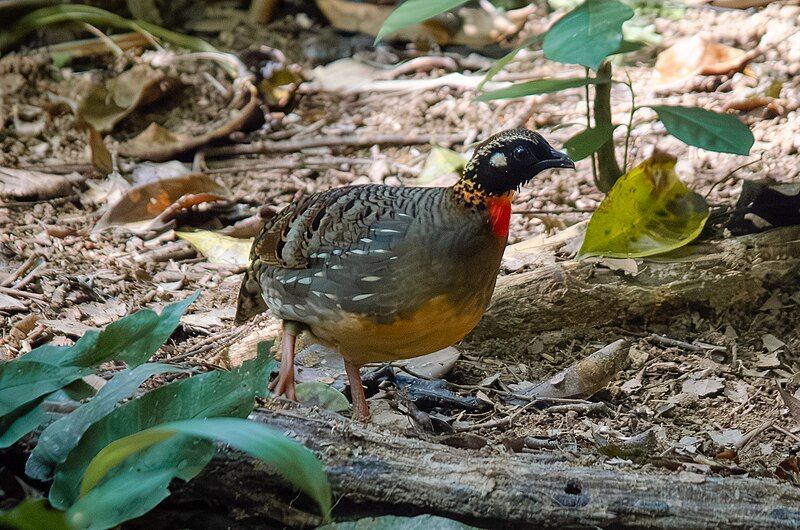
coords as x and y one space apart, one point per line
557 160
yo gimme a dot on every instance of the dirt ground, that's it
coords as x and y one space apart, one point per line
708 404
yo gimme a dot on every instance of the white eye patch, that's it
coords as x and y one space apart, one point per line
498 160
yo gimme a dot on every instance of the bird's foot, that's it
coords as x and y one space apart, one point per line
284 384
360 406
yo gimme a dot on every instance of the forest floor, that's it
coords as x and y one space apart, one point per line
708 401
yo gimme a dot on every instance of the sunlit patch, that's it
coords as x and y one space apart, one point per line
498 160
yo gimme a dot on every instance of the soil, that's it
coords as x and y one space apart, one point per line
711 408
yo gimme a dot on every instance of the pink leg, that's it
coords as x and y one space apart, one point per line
360 407
284 384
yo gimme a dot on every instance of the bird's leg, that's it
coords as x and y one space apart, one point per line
360 407
284 384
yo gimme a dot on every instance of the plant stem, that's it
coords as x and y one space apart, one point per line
608 169
589 126
630 123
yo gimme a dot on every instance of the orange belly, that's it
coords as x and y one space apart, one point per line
435 325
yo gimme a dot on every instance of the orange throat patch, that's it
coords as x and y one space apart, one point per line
500 213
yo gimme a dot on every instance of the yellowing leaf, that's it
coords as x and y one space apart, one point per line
441 161
219 248
648 211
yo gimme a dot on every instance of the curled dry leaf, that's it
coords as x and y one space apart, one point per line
108 103
160 199
585 377
158 144
22 184
697 56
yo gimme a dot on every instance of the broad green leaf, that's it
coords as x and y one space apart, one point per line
507 58
587 34
20 422
212 394
60 437
317 394
648 211
23 382
588 141
413 12
394 522
537 86
705 129
219 248
441 161
288 458
33 514
132 339
627 46
140 482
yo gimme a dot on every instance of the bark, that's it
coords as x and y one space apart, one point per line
374 473
570 295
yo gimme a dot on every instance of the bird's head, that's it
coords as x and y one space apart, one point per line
509 159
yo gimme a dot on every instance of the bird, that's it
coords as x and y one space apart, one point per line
384 273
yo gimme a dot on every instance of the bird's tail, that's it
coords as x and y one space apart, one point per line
251 302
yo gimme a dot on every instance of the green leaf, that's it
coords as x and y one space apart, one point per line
588 141
507 58
441 161
627 46
140 482
413 12
133 339
288 458
20 422
211 394
23 382
587 34
537 86
705 129
33 514
648 211
60 437
317 394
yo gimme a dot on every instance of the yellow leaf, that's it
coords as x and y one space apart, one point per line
648 211
219 248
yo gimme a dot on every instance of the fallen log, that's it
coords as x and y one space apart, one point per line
374 473
567 294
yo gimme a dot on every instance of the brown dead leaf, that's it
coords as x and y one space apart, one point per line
141 204
703 387
159 144
792 403
22 184
108 103
585 377
697 56
435 365
98 152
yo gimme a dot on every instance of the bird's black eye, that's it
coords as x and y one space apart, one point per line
521 153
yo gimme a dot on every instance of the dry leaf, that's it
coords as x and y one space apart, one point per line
108 103
768 361
726 437
23 184
772 343
98 152
792 403
585 377
141 204
736 391
10 304
697 56
218 248
435 365
159 144
703 387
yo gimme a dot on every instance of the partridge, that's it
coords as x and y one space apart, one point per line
385 273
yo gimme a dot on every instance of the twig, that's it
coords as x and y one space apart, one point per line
268 146
749 437
673 343
24 294
20 271
578 407
784 431
496 423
